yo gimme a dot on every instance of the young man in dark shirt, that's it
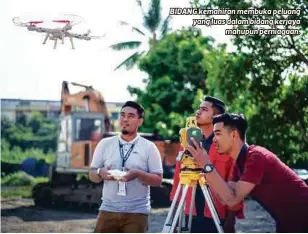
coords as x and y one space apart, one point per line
258 173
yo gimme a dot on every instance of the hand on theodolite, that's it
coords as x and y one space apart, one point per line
199 153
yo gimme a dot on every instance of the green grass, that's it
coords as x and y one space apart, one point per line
19 184
21 179
17 155
20 192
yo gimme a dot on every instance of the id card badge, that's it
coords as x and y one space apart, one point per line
121 188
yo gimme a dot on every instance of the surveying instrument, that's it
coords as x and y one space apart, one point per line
190 176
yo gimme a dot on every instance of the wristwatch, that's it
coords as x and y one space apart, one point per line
208 168
97 171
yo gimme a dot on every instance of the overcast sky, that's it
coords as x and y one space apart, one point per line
30 70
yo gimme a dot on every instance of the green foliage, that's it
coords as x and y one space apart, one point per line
17 155
284 120
184 66
269 83
154 29
37 132
34 137
176 74
21 179
21 191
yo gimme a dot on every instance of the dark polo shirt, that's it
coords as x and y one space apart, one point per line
199 198
277 188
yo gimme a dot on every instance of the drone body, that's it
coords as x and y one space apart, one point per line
58 33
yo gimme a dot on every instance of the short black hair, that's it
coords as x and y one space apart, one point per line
216 102
235 121
135 105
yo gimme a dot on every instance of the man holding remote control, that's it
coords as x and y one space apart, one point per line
126 202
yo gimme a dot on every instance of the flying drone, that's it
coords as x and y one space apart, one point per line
58 33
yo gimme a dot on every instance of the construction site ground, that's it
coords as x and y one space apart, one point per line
20 215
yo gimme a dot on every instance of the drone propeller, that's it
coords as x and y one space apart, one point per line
72 19
88 32
17 22
97 37
85 36
65 18
62 21
35 22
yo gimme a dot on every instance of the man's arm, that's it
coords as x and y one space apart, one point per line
235 208
94 177
240 206
228 195
97 162
103 175
150 178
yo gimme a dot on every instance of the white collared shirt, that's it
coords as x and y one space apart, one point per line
128 142
145 156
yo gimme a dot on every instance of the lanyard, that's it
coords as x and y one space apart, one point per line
126 156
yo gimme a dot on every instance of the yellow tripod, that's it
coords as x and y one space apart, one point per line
190 176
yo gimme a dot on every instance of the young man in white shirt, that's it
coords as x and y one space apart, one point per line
126 203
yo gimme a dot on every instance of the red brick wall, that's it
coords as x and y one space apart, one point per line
168 151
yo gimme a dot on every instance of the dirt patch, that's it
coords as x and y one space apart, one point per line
20 215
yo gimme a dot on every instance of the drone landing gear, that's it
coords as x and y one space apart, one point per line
55 45
46 38
71 39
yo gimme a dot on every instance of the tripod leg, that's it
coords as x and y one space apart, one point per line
168 221
191 208
181 223
180 207
209 201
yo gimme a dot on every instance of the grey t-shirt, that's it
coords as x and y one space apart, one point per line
145 156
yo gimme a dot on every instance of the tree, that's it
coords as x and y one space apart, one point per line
292 49
176 82
36 122
36 132
276 77
184 66
154 30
